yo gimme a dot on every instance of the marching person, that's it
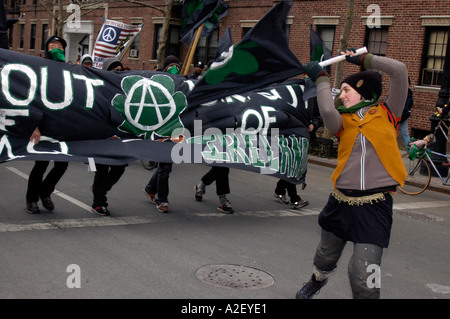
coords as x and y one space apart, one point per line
106 176
369 168
198 71
157 188
284 186
86 61
218 174
38 186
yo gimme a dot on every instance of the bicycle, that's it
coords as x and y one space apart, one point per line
149 165
418 162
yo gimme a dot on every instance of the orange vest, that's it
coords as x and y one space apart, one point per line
377 127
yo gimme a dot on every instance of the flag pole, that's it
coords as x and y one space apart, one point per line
192 50
340 58
187 55
128 47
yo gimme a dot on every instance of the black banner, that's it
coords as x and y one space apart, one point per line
115 118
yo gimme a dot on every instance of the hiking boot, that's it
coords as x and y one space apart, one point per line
33 208
311 288
199 190
100 210
281 198
163 207
151 197
225 206
47 203
301 203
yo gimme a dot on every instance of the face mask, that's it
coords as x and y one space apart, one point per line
57 55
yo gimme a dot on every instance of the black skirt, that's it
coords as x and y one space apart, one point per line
368 223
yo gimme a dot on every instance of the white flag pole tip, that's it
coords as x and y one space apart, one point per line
340 58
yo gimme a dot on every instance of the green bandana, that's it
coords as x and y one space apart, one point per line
356 107
173 70
57 55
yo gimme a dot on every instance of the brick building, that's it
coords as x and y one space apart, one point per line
413 31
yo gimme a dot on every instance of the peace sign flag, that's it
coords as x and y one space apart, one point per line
113 38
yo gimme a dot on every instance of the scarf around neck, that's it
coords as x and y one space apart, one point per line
357 106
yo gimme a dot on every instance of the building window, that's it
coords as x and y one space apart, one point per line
22 34
377 40
207 47
434 56
172 45
33 37
326 33
134 47
44 35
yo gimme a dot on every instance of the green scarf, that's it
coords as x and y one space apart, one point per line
57 55
357 106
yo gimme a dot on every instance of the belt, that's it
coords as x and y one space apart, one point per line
361 200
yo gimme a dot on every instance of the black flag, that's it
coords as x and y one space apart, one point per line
198 12
262 57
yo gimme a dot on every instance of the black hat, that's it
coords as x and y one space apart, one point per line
366 83
169 61
53 38
199 64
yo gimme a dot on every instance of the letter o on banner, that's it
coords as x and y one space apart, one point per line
245 116
27 71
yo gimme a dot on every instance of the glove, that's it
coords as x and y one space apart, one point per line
358 60
313 69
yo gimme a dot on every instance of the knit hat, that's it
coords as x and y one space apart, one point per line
169 61
366 83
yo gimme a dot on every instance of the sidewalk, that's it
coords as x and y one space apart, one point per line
435 184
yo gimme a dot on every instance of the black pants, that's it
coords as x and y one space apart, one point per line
37 185
159 182
283 186
218 174
105 178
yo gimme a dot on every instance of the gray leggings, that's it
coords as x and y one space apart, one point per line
328 254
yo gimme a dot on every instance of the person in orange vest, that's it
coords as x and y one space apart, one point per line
369 168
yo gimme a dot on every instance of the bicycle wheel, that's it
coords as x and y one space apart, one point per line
418 178
148 164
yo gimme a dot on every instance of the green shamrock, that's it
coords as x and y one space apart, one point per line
150 105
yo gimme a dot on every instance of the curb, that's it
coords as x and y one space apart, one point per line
331 162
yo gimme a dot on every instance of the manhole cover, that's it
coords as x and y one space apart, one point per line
235 277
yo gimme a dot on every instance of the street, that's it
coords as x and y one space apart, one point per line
262 251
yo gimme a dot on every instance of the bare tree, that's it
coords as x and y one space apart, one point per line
165 27
60 16
344 42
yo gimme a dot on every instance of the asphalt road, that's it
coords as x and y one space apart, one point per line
263 251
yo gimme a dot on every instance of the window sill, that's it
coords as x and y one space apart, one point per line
429 89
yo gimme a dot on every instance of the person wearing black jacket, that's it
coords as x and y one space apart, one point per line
38 186
284 186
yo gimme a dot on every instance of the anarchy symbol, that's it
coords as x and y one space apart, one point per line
141 104
109 34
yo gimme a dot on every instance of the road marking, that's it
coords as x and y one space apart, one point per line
56 192
136 220
96 221
418 205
